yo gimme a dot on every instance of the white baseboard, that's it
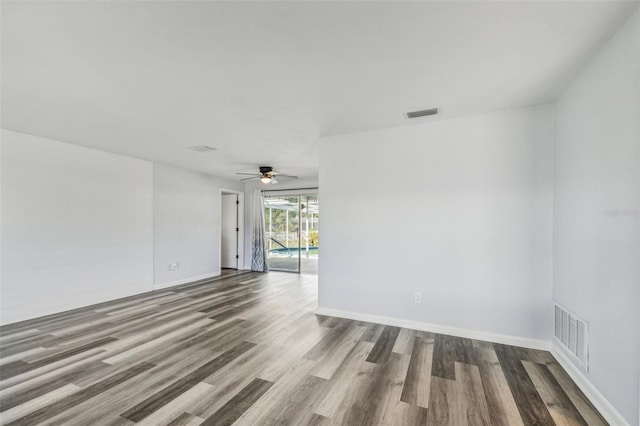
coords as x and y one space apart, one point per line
186 280
441 329
598 400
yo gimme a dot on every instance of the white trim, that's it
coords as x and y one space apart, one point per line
452 331
598 400
186 280
153 225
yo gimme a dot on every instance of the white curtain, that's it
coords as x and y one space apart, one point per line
258 240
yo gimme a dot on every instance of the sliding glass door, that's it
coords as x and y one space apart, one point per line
282 226
291 227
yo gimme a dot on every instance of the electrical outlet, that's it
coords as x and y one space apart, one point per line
417 297
174 266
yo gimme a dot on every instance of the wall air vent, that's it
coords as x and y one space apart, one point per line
423 113
202 148
573 334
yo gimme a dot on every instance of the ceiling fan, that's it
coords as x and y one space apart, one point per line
266 175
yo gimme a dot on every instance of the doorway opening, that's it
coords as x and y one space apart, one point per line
291 227
231 230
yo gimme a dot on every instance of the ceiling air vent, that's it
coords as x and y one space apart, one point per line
202 148
423 113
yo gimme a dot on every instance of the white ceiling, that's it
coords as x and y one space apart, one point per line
261 81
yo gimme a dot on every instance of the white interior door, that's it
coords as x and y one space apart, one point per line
229 234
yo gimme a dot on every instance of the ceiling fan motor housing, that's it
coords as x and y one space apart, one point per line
265 169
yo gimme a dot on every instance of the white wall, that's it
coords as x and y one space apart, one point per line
596 249
77 226
187 224
82 226
459 210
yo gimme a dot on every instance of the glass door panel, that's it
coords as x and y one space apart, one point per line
282 226
310 239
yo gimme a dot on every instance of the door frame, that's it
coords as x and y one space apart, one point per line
240 222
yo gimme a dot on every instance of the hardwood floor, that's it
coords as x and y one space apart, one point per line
246 349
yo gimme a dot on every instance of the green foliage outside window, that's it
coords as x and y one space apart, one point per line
314 238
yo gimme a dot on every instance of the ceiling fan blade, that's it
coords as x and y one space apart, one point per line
250 178
249 174
273 180
289 176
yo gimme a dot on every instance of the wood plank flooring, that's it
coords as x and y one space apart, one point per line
246 349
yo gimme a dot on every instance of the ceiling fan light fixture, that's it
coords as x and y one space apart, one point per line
266 175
